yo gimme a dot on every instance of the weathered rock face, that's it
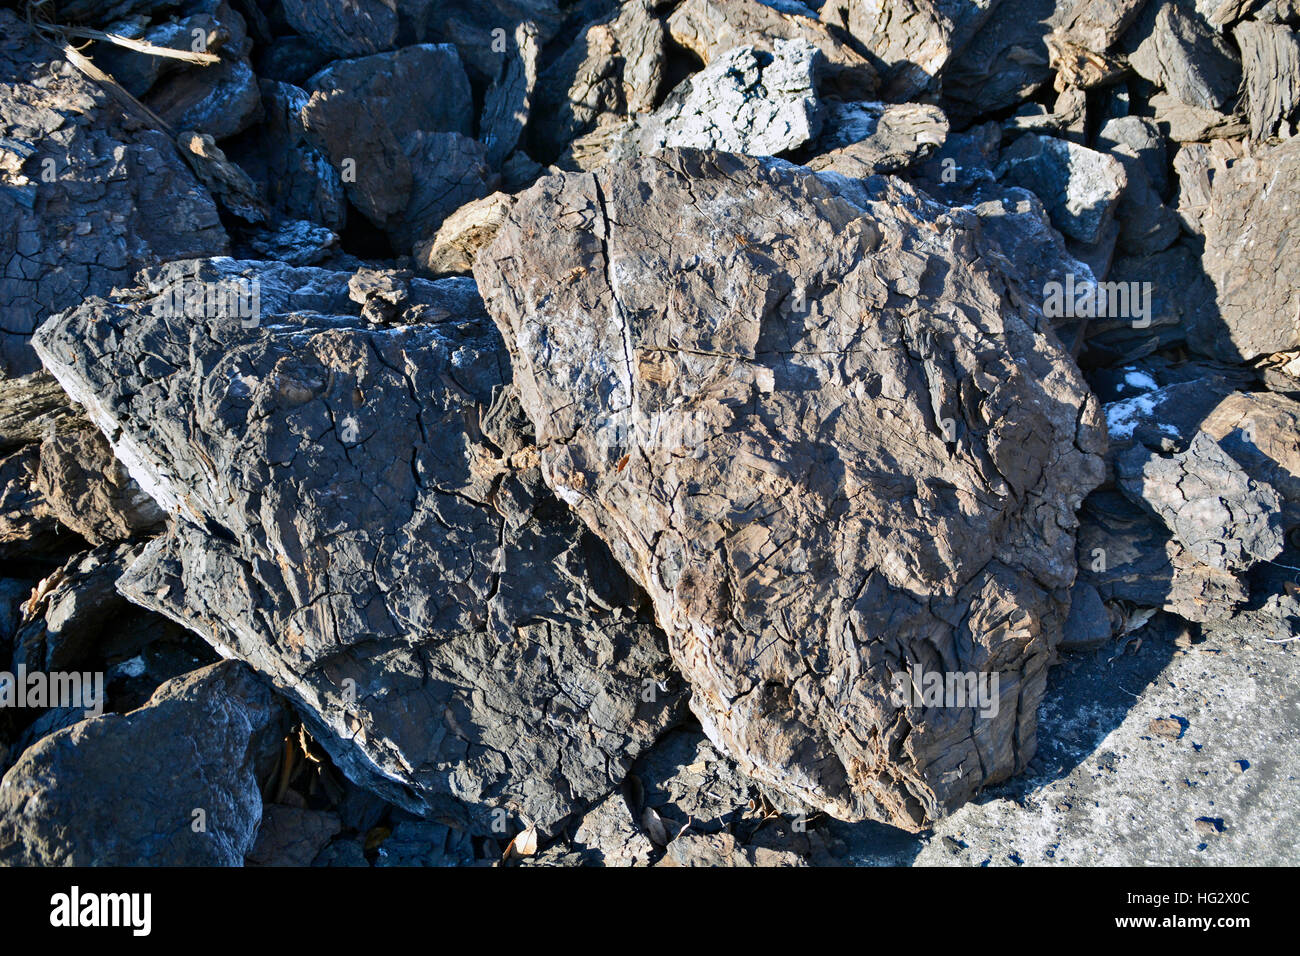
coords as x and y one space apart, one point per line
32 407
1221 516
396 128
291 836
123 789
221 31
1191 520
914 38
1080 186
461 235
1189 59
1010 56
612 70
85 197
298 179
861 139
1261 431
89 491
745 101
509 99
711 27
686 804
345 27
1134 563
815 430
69 609
27 525
220 99
1250 257
357 516
1271 66
472 25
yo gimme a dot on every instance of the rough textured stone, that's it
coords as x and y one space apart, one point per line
1189 60
915 38
1249 256
722 849
863 139
32 407
297 179
346 28
222 30
85 197
961 170
745 101
1178 298
509 100
1017 227
448 171
1096 24
425 843
1089 625
1261 431
1110 792
1067 118
27 525
1270 55
1190 124
1161 411
1079 67
196 746
219 100
1219 514
70 608
233 188
295 242
1143 137
1146 225
461 235
709 28
1196 165
416 88
1005 62
89 491
400 123
471 26
683 800
739 417
357 516
1128 555
1229 12
613 70
1008 59
1080 187
292 836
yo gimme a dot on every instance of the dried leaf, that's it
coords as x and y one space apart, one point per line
654 828
524 844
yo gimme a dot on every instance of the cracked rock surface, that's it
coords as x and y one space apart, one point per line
741 410
1248 244
357 514
1222 516
712 27
915 38
745 101
86 197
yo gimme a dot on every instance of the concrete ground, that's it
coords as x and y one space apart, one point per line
1170 749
